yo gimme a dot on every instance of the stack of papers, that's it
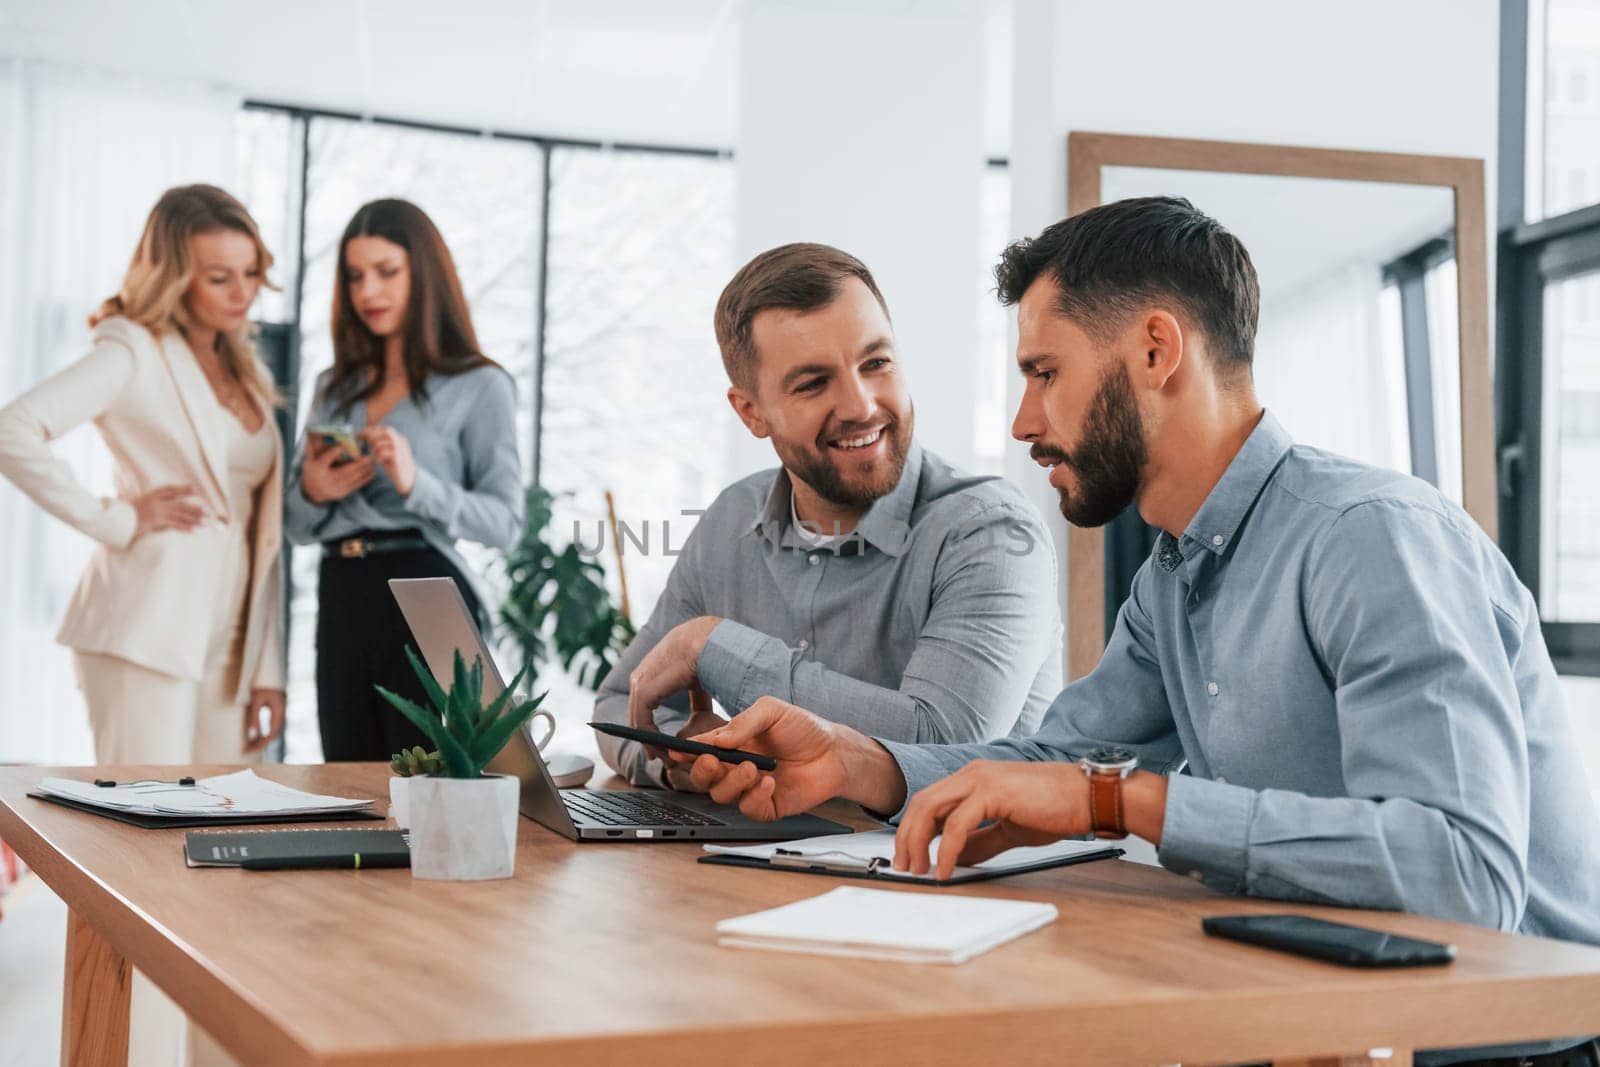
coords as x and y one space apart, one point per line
224 796
882 925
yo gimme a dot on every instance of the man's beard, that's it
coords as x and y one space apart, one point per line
819 466
1110 458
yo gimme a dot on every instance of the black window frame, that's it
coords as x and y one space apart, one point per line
1409 275
1530 256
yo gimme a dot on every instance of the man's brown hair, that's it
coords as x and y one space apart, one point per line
794 277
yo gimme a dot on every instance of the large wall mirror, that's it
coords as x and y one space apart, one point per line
1374 332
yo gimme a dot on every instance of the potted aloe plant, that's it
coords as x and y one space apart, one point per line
463 822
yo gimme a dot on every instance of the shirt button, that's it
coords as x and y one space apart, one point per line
804 644
815 560
1217 540
1211 687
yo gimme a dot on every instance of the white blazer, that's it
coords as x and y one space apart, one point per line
153 600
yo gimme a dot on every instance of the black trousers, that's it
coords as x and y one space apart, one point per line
361 642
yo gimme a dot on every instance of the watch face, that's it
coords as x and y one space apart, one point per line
1110 758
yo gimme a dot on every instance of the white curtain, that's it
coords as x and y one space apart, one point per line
1321 366
83 157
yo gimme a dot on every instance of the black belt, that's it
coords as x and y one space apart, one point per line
373 544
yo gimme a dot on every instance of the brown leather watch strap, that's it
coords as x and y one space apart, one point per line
1105 805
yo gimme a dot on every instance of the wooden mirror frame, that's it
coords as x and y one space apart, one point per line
1089 153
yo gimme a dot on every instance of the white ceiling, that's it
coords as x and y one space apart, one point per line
621 70
617 69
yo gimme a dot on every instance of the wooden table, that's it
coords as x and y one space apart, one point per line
605 954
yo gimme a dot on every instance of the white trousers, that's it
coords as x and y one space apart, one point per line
143 716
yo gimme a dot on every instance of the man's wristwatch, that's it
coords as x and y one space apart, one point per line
1106 768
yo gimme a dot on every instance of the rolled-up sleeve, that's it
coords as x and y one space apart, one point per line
1122 702
1432 743
680 601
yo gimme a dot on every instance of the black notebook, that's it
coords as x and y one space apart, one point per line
285 849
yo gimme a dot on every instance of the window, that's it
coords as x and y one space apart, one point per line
1444 353
1548 375
639 244
1392 345
592 272
267 178
1569 561
1419 331
1563 106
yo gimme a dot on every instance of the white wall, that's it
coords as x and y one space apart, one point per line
861 126
1416 77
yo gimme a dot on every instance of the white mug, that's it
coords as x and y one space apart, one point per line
548 734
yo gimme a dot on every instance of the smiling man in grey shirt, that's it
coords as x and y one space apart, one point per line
1349 668
865 578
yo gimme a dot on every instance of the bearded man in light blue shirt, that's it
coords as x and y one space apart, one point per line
1345 663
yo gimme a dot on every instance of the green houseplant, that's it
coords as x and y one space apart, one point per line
463 822
466 733
557 606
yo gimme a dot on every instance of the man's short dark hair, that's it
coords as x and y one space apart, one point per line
794 277
1117 259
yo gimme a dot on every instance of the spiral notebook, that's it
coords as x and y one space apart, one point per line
871 854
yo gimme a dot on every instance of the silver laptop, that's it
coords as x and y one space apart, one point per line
441 623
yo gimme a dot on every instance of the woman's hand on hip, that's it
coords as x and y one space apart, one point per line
324 479
172 507
275 701
393 453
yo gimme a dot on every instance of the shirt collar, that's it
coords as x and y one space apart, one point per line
1217 522
886 526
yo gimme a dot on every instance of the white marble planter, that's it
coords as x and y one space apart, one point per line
463 829
399 792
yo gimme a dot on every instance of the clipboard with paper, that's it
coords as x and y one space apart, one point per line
870 855
223 799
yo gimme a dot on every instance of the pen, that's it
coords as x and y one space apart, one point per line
355 861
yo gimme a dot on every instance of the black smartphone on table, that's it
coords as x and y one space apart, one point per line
1354 946
699 748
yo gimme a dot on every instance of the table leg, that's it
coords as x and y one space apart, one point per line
94 1009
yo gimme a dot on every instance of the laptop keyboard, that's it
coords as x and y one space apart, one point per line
632 809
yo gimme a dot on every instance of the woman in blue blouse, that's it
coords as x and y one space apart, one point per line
436 423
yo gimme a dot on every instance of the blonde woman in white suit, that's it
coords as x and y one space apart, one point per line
176 626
